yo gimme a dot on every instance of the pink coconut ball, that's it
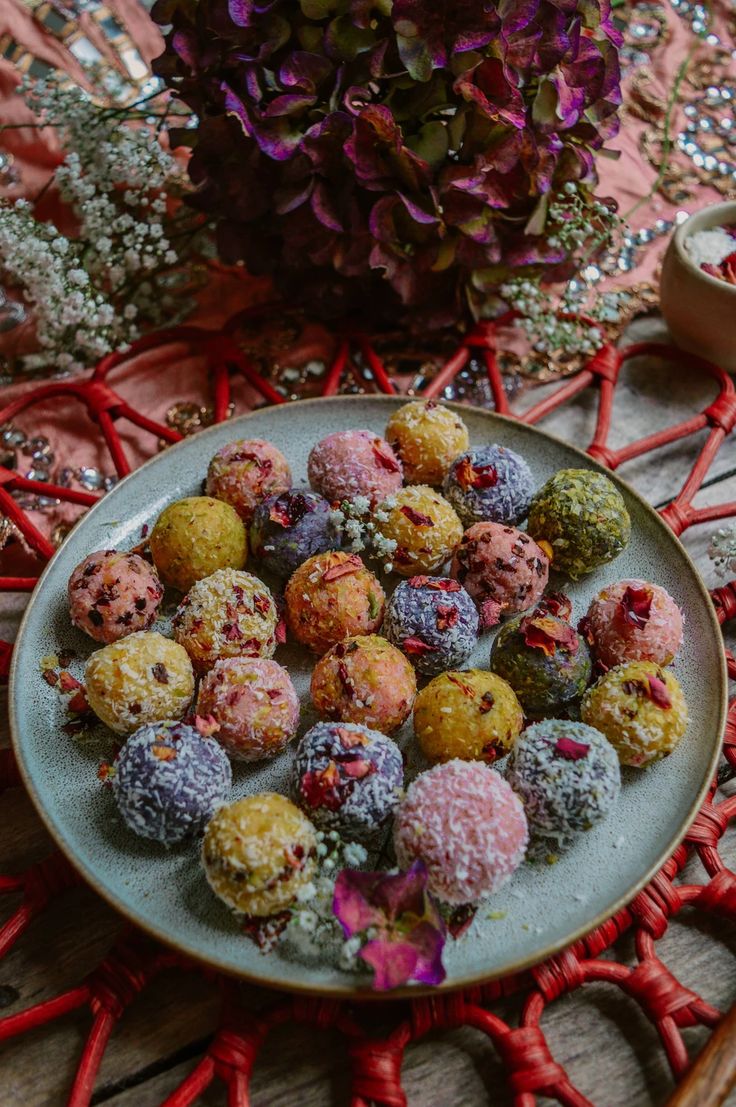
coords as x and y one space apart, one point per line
502 568
112 594
633 620
468 827
245 472
354 463
254 703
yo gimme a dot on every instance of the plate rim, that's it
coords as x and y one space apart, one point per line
345 991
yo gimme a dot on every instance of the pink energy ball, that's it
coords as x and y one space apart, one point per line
502 568
354 463
633 620
468 827
112 594
255 704
244 473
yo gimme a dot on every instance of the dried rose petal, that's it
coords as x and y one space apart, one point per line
78 704
557 604
319 787
350 738
358 769
460 919
68 683
206 725
490 613
636 606
343 569
437 584
51 677
447 616
261 603
570 749
164 753
416 517
385 457
658 692
344 678
416 647
547 633
466 689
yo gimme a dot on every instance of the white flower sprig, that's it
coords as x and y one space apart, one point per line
91 293
722 550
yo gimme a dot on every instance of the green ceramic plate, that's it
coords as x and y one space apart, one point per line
164 892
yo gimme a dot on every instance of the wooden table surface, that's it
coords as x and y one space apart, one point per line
610 1049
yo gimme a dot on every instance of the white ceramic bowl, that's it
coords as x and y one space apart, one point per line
700 310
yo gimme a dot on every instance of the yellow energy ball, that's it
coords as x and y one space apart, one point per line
258 852
228 614
641 710
195 536
427 437
473 715
424 527
330 597
364 680
143 678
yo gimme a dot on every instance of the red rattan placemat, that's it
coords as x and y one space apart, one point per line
376 1063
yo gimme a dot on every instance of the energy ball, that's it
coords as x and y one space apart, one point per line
468 827
169 780
347 778
582 517
472 715
330 597
112 594
228 614
633 620
544 659
195 536
433 621
503 569
426 436
641 710
142 678
423 526
291 527
567 775
244 473
258 853
354 463
489 483
253 701
364 680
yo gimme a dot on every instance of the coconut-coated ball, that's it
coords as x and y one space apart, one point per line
228 614
169 780
258 853
489 483
567 775
354 463
633 620
347 778
142 678
253 702
330 597
426 436
113 593
544 659
423 529
582 517
244 473
473 715
194 537
468 827
503 569
641 709
364 680
433 621
291 527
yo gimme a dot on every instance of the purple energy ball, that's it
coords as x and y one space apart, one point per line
489 483
433 621
348 778
169 780
290 528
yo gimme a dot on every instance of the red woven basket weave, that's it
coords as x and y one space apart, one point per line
376 1063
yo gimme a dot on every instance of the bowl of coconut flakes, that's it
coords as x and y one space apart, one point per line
698 284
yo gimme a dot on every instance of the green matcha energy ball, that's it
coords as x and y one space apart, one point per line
194 537
641 709
581 517
544 659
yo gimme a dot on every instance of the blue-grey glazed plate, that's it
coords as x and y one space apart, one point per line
540 911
